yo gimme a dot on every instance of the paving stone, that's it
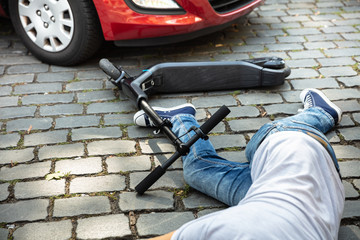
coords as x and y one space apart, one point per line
346 152
81 205
349 168
30 68
26 124
5 90
55 77
140 132
117 119
107 147
306 54
248 48
319 45
322 17
156 146
303 31
301 63
17 60
291 39
47 98
350 134
43 188
77 121
150 200
351 36
61 109
315 83
260 40
339 94
332 137
96 96
199 200
4 233
243 111
250 124
167 102
351 209
161 223
110 226
348 106
339 29
97 184
125 164
259 98
350 232
29 210
357 183
38 88
343 52
59 230
215 101
284 46
24 171
15 112
79 166
160 159
61 151
347 44
96 133
112 107
357 117
171 179
288 108
350 81
16 156
303 73
51 137
9 140
84 85
346 122
337 71
227 141
8 101
350 191
93 74
270 33
21 78
207 211
336 61
4 193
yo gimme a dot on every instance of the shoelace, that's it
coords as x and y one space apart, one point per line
308 102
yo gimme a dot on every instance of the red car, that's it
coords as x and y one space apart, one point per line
67 32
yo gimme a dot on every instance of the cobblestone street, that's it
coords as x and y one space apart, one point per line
72 122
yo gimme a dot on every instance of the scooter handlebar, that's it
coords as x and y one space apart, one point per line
109 69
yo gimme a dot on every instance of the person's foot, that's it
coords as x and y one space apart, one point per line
142 120
315 98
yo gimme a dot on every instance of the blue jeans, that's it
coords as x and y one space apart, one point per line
229 181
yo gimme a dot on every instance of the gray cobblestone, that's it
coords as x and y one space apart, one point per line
343 52
291 39
51 137
140 132
79 166
357 183
37 88
348 106
25 124
93 74
356 117
351 36
4 233
247 124
15 112
124 164
303 31
350 134
156 146
48 98
295 19
338 94
81 205
339 29
31 68
160 159
151 200
4 193
344 44
96 96
61 151
347 122
303 73
338 61
199 200
77 121
5 90
161 223
349 168
244 111
24 171
110 226
215 101
337 71
318 45
259 98
301 63
324 37
16 156
8 101
306 54
21 78
350 232
116 119
260 40
9 140
61 109
96 133
227 141
171 179
351 209
116 107
350 81
284 46
283 108
55 77
59 230
207 211
17 60
84 85
315 83
107 147
97 184
43 188
30 210
350 191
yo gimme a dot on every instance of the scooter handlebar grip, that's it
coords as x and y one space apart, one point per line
150 179
215 119
109 68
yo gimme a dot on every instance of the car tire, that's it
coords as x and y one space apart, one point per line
60 32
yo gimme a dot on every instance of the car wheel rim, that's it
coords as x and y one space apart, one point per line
48 23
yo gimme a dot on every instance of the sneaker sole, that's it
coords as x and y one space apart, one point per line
325 98
138 114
